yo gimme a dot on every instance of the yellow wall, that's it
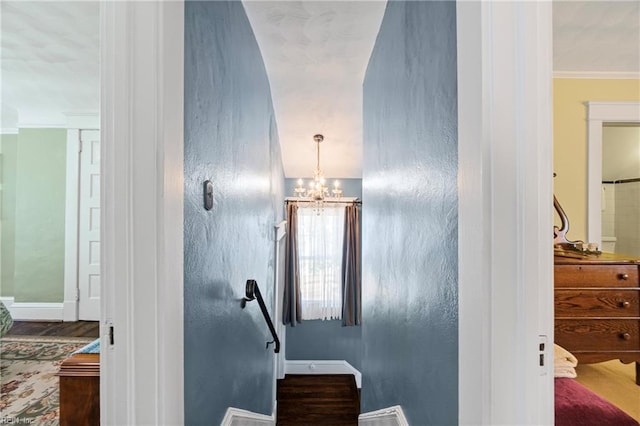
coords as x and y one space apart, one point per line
570 140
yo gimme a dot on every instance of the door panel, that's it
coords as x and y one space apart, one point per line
89 227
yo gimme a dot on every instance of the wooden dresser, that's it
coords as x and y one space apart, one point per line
80 390
597 307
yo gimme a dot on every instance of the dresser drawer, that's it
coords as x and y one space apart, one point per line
596 275
597 303
598 335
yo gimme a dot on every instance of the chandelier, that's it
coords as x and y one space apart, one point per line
317 190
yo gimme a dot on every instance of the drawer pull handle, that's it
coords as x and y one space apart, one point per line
625 336
624 304
623 276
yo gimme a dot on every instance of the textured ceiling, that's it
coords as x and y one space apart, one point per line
315 53
49 61
596 36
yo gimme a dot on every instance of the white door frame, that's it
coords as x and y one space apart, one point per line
505 196
75 123
599 113
505 205
142 100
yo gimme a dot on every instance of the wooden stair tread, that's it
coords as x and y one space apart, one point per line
330 399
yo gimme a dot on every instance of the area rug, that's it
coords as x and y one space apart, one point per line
28 367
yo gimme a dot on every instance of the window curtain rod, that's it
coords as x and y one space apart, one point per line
630 180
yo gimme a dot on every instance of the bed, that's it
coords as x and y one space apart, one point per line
575 404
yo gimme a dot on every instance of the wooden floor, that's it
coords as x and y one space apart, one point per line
59 329
327 399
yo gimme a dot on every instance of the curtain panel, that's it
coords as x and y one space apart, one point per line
351 268
292 309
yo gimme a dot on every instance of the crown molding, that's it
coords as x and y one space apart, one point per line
603 75
42 126
9 131
83 120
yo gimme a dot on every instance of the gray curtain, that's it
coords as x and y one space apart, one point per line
292 311
351 276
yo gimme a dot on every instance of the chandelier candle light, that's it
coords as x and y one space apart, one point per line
317 189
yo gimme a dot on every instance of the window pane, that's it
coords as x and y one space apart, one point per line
320 255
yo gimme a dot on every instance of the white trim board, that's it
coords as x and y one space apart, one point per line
33 311
603 75
279 359
142 189
322 367
71 226
392 416
505 272
42 125
80 120
599 113
238 417
281 230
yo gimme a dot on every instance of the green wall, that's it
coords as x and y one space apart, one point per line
8 147
39 215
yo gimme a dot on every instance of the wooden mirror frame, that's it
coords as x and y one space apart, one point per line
560 234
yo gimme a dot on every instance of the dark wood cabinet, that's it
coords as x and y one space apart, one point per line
80 390
597 307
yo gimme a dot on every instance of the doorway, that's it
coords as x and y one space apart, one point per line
599 114
620 188
89 227
82 221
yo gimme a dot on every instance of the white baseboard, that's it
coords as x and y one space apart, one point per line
70 310
27 311
322 367
238 417
392 416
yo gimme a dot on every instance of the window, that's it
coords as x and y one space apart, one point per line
320 235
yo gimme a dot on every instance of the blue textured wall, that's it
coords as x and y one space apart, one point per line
320 340
230 138
410 312
326 339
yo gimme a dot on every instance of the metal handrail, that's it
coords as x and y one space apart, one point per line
253 292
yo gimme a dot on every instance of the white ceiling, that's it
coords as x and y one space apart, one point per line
315 52
49 61
596 36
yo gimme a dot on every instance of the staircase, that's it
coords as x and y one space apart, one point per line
324 399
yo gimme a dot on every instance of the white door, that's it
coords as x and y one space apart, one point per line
89 227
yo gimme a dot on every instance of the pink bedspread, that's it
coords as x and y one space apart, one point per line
578 406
